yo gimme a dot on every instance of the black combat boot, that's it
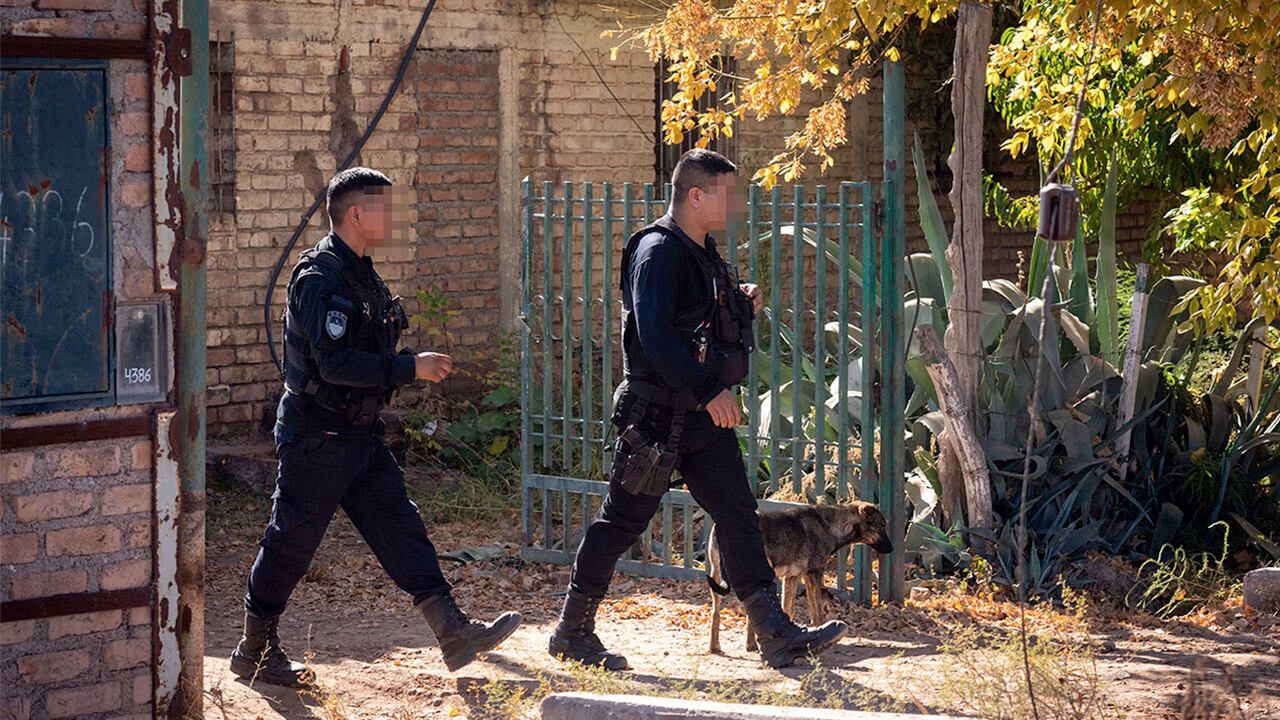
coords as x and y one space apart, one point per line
461 639
575 637
781 640
260 657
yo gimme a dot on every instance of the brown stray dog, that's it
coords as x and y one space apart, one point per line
799 542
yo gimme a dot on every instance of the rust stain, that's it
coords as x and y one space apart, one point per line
17 326
164 612
108 302
175 445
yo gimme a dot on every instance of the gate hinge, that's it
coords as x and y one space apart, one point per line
877 211
178 51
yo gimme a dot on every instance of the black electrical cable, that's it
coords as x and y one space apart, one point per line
306 217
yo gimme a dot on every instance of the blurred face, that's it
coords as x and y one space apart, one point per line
714 204
381 216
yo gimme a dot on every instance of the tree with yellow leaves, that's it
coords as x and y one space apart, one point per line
1176 82
1188 94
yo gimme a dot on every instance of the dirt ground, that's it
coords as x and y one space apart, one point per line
375 658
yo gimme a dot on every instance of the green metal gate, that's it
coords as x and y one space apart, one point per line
825 396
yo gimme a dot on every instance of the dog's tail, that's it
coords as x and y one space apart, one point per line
717 588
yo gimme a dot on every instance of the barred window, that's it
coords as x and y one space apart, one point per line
666 156
222 127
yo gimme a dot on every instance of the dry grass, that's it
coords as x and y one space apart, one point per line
818 688
1213 696
983 675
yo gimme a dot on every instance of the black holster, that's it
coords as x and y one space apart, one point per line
641 465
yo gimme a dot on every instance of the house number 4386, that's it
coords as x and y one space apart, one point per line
137 375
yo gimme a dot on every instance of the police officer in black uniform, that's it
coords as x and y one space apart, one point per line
686 337
341 367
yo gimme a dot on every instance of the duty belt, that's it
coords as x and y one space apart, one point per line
658 395
360 413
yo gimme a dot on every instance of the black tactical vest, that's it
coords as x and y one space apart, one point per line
718 332
376 321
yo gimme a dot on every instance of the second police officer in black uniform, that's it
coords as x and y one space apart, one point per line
341 366
686 337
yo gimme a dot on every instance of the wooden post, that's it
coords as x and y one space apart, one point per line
1132 360
1257 356
956 409
964 252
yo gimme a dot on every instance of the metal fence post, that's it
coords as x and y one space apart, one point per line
526 376
893 362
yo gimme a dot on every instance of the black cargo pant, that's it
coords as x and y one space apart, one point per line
711 466
318 473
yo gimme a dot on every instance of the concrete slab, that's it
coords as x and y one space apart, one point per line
590 706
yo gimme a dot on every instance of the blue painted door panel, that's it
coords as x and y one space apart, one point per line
55 250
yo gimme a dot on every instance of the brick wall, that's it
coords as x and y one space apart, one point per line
76 519
457 248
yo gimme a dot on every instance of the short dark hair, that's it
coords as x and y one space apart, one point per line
697 168
346 185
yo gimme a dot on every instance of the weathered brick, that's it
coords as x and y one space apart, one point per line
89 540
135 123
53 667
139 534
137 86
98 5
16 466
112 29
122 654
84 462
51 505
124 499
18 549
134 573
15 708
136 193
77 702
140 616
142 689
13 632
140 455
83 624
66 27
49 583
138 158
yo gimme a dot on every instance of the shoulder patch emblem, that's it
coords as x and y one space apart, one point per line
336 324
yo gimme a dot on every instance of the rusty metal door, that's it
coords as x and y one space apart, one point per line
55 245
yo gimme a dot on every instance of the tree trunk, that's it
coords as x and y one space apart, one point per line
958 414
964 254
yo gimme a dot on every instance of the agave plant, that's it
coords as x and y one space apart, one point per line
1077 499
